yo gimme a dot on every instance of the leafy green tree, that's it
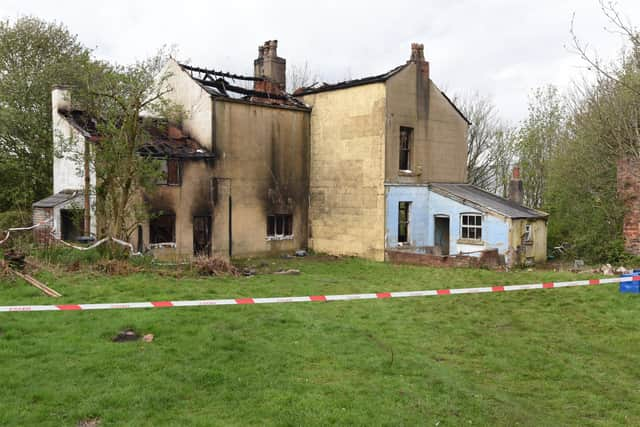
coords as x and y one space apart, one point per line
34 55
127 103
538 136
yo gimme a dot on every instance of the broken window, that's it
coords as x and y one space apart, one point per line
279 225
403 222
171 172
471 226
162 229
406 139
528 233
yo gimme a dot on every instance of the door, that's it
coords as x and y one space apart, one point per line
441 234
202 235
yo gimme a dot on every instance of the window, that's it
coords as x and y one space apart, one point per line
471 226
279 226
406 140
171 172
528 233
162 229
403 222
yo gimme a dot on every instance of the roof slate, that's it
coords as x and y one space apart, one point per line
57 199
485 201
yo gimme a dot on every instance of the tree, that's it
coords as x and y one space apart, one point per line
129 102
490 153
537 139
34 55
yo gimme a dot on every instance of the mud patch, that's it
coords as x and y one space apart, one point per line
126 336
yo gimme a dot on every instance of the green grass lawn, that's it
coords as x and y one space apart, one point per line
539 358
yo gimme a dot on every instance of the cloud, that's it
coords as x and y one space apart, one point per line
498 48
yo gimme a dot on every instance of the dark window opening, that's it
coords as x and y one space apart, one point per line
403 222
406 140
279 225
171 172
202 235
162 229
471 226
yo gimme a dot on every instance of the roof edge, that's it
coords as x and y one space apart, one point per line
380 78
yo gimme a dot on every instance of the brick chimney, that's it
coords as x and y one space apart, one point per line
629 193
271 67
417 57
515 186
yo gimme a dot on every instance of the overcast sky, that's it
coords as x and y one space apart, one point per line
499 48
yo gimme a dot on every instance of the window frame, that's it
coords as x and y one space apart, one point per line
404 224
164 178
280 227
527 236
405 146
471 225
153 241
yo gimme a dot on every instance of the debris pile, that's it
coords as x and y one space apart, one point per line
214 266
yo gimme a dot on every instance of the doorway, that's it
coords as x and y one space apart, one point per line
202 235
72 224
441 233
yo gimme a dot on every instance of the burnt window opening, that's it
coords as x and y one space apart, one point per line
162 229
403 222
406 141
171 172
202 235
471 226
279 226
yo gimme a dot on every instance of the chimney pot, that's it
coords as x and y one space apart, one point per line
417 52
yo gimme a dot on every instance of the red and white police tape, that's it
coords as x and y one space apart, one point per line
314 298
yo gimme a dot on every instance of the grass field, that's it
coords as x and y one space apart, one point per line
532 358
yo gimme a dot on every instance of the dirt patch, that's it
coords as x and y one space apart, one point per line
126 336
89 422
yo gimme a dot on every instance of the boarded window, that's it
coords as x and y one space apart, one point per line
406 141
403 222
162 229
171 172
471 226
279 225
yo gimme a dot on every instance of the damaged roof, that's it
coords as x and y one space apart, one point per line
172 143
81 121
482 200
57 199
349 83
221 84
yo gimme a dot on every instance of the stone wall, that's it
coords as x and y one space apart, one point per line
629 191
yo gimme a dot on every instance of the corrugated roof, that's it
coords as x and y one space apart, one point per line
349 83
485 201
57 199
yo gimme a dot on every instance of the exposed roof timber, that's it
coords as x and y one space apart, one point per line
208 73
224 86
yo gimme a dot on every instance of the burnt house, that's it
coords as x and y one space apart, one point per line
359 167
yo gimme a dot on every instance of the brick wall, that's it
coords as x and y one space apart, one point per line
629 191
488 258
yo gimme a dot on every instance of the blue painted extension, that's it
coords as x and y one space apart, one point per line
425 207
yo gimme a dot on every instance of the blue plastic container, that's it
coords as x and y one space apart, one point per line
630 287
